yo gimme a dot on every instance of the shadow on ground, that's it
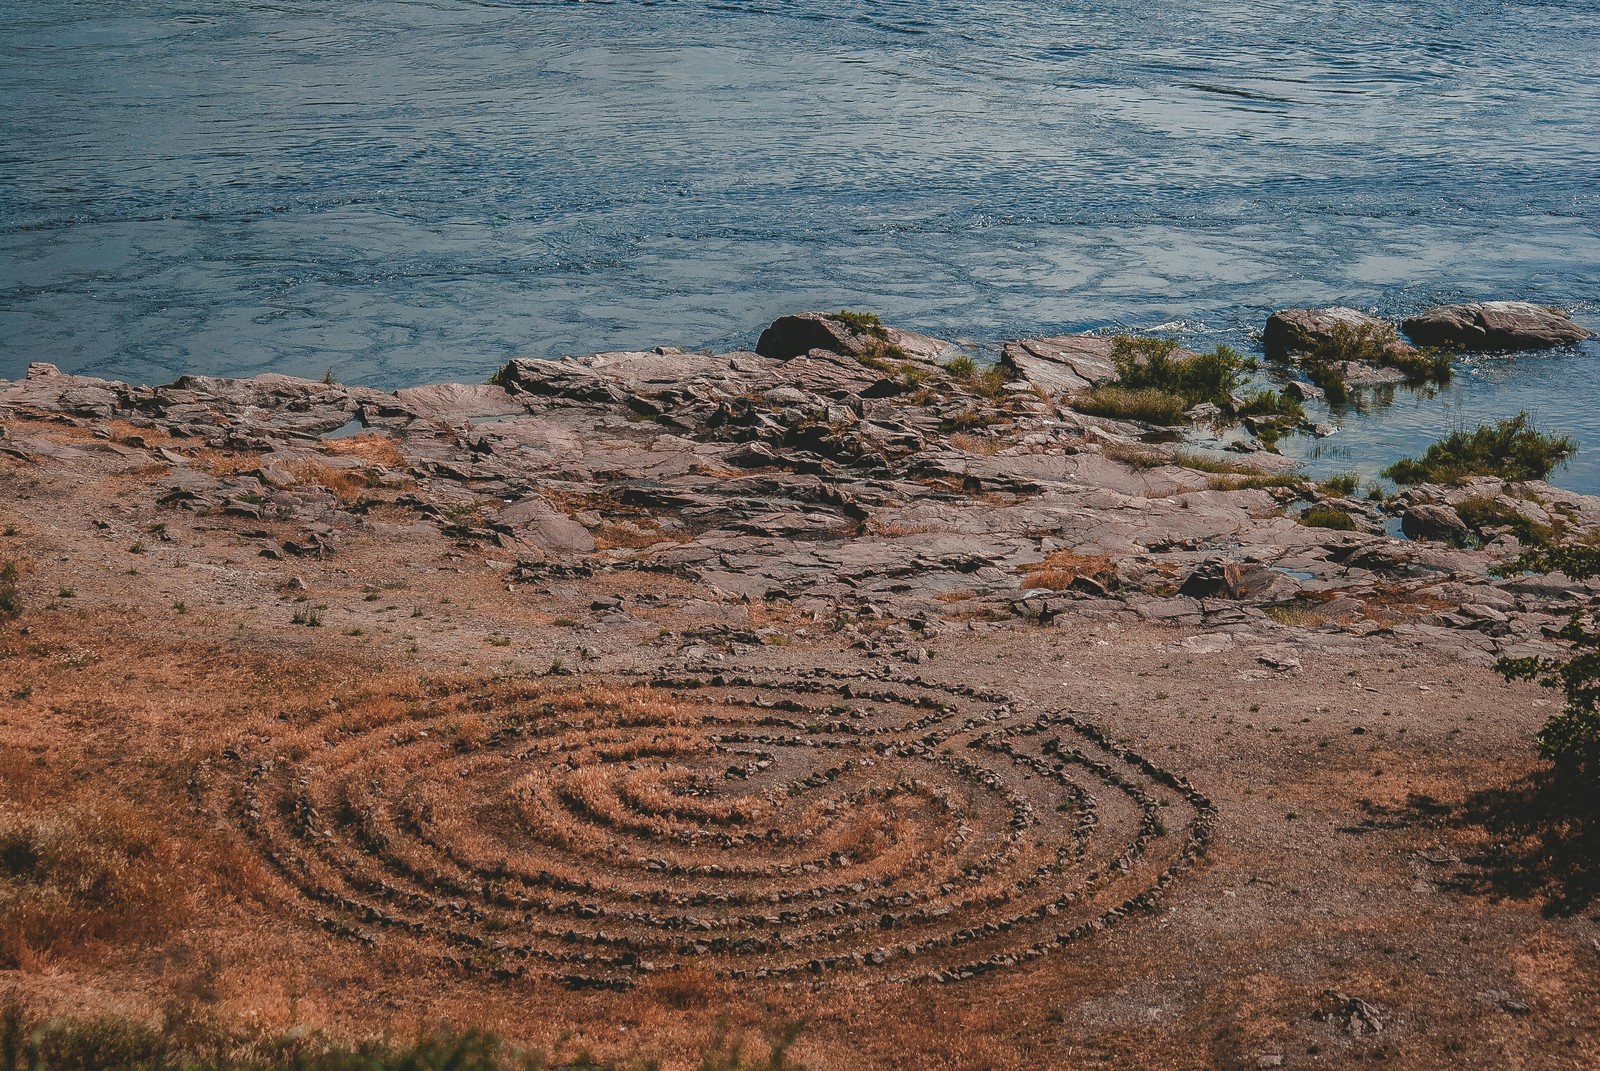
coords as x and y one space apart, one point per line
1540 839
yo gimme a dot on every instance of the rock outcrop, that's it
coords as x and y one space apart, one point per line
1292 332
849 489
1490 326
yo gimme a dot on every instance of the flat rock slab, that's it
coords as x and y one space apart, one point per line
1067 365
1490 326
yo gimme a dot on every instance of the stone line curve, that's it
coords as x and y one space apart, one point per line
758 826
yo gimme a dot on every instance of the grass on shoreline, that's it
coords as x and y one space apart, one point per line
1511 449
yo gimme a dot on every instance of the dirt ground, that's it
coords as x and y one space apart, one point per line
1375 886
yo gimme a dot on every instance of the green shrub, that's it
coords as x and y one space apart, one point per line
1426 365
1361 343
1569 740
1153 363
1511 449
1150 405
962 367
10 598
1328 517
1272 403
1340 486
1481 513
1374 344
862 323
1330 378
987 381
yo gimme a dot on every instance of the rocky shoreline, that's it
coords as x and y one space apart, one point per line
836 676
887 498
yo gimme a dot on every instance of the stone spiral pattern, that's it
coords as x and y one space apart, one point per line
771 828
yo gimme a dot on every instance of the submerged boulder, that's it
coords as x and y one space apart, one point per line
1495 325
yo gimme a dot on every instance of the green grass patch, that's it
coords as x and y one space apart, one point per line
1328 517
1340 486
1372 344
1147 405
988 381
862 323
1511 449
1154 364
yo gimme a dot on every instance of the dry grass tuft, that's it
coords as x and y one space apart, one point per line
630 534
346 485
982 445
1059 570
373 447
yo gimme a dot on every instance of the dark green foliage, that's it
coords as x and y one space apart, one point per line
10 599
1269 414
1484 513
1156 385
1119 403
986 381
1340 486
1272 403
1330 378
1153 363
1374 344
1328 517
1426 365
1571 739
1511 449
862 323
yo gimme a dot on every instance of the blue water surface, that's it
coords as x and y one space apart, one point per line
410 190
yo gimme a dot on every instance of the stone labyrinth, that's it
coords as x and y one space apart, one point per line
771 828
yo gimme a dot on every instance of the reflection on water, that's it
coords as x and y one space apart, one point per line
416 189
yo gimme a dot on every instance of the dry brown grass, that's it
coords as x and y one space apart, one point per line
91 873
630 534
982 445
375 448
224 463
347 485
1057 571
895 531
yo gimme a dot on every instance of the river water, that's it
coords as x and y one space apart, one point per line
409 191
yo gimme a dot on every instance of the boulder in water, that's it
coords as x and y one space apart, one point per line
1495 325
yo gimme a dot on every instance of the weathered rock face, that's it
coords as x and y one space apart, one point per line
1295 331
1435 522
1066 365
794 336
1488 326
